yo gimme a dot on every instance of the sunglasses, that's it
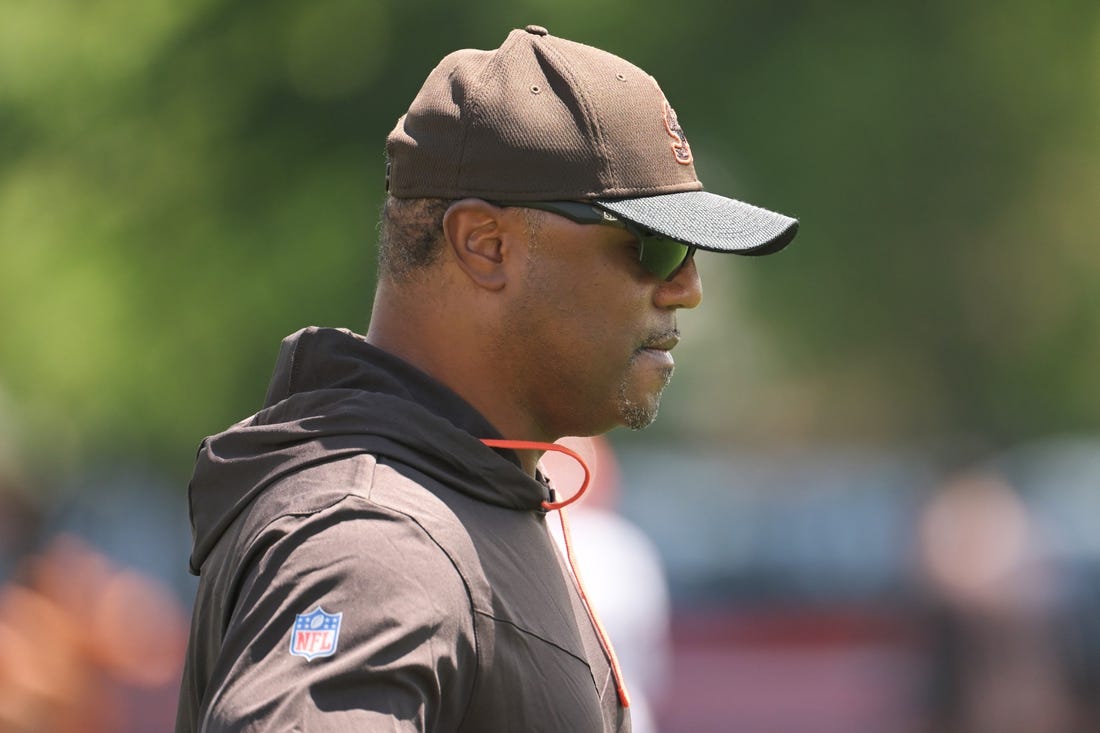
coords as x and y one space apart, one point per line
658 254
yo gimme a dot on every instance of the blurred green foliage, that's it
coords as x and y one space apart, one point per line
183 184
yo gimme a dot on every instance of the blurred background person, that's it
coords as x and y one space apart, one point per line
83 644
621 570
86 644
995 662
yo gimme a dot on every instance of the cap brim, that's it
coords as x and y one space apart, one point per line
708 221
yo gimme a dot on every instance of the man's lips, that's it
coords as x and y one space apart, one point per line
663 342
660 347
663 356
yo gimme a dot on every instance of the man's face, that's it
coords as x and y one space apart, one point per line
590 329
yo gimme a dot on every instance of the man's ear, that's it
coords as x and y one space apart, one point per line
476 235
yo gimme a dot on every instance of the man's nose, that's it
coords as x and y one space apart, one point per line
684 290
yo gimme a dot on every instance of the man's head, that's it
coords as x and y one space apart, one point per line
541 220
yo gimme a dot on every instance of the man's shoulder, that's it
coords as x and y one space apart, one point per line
358 483
359 486
369 503
351 502
314 488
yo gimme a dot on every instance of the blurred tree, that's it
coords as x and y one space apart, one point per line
943 158
181 185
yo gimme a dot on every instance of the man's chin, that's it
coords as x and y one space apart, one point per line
637 417
640 395
637 414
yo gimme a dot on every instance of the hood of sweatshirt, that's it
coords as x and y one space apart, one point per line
332 396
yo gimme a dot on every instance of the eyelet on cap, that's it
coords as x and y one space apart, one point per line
537 30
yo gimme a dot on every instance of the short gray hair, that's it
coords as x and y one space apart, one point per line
410 236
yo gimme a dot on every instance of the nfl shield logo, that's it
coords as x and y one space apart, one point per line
315 634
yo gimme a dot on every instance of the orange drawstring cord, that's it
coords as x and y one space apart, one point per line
601 632
534 445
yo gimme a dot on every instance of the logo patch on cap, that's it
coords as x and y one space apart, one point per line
680 148
315 634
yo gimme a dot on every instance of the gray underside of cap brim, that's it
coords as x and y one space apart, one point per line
709 221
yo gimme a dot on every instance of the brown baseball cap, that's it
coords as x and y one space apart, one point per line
546 119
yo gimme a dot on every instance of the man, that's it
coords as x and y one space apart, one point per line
372 544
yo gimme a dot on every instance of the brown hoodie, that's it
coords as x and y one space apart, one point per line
367 564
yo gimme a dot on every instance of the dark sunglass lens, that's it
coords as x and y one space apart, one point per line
663 257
